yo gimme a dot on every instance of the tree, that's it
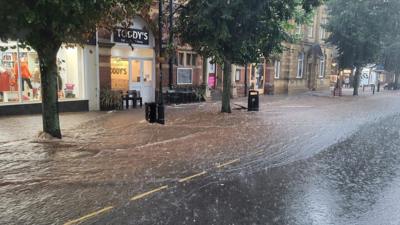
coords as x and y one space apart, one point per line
391 61
238 31
46 24
356 29
390 56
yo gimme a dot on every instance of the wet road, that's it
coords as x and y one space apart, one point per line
354 182
281 166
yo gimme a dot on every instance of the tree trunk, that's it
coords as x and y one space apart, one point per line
356 83
396 80
49 71
226 93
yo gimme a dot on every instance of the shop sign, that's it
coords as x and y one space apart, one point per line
131 36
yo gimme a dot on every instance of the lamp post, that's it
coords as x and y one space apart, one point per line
171 41
160 105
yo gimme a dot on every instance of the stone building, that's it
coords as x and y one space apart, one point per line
305 66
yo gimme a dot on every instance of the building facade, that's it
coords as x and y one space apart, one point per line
305 66
127 59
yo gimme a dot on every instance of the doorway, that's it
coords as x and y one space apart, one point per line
142 78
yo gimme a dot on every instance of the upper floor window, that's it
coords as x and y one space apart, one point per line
322 29
187 59
299 29
310 31
181 59
300 65
191 59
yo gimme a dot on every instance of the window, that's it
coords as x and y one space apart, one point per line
299 29
277 69
191 59
322 67
120 73
300 65
181 59
237 75
187 59
310 31
20 79
322 30
185 76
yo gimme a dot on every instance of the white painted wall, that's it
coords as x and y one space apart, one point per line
92 92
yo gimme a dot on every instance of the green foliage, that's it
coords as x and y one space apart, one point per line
240 30
391 57
110 100
358 29
36 22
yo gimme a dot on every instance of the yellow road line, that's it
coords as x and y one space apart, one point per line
137 197
219 166
262 151
192 177
89 216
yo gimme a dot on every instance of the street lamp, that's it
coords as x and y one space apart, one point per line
160 105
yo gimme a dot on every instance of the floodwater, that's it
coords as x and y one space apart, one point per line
304 160
354 182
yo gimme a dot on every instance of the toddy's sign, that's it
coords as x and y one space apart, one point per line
131 36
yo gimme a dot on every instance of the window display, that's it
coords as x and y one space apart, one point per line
20 73
120 74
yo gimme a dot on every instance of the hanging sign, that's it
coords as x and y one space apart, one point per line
131 36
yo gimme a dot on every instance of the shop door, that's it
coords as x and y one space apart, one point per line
142 79
148 87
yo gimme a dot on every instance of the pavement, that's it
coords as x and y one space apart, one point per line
204 167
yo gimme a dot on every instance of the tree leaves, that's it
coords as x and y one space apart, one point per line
37 22
360 28
242 30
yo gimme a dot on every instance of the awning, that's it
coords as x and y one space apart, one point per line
315 50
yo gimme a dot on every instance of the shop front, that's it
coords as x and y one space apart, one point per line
20 79
133 60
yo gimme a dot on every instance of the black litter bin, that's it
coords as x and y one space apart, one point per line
254 101
151 112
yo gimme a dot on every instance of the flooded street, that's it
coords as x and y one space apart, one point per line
300 160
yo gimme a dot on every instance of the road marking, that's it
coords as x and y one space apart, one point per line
137 197
83 218
192 177
259 152
219 166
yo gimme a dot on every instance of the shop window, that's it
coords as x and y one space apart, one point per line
238 75
300 65
277 69
19 74
20 79
70 74
185 76
120 74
